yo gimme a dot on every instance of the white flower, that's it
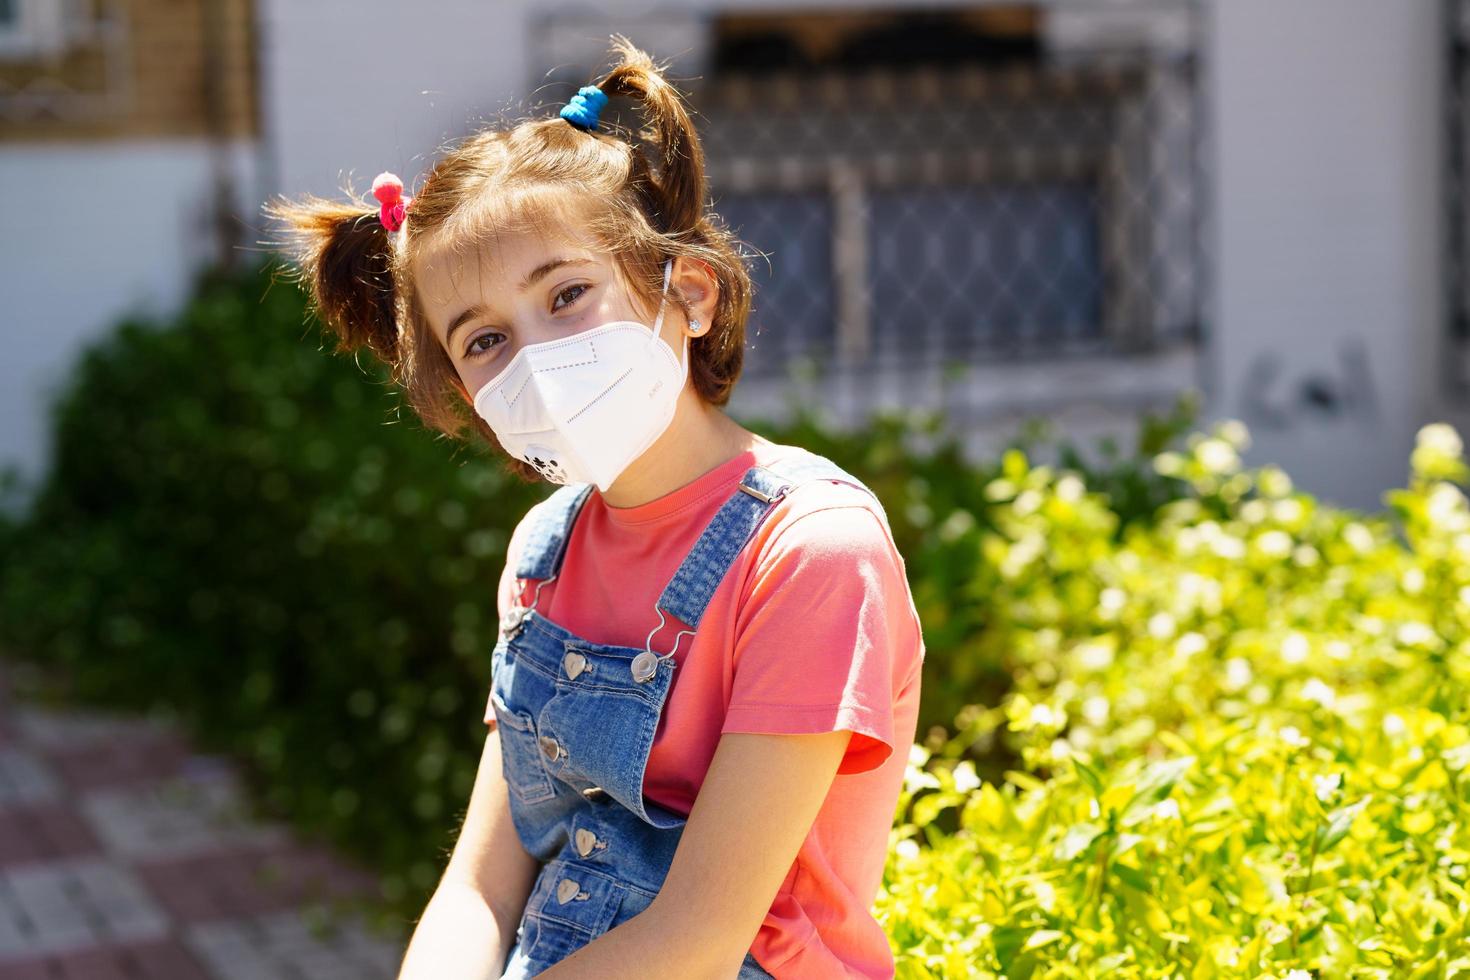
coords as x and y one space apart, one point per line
1440 437
1287 511
1234 432
965 779
1238 673
1315 690
1326 787
1292 736
1294 648
1161 626
1094 655
1217 456
1413 580
1358 537
1415 634
1274 544
1190 644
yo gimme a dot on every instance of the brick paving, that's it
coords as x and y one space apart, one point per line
124 855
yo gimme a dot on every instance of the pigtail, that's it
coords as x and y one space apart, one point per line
681 178
343 257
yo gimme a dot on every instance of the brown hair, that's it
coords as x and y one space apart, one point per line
527 175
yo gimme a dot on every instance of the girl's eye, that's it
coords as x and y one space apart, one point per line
581 287
475 348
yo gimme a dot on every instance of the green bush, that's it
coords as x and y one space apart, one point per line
1243 732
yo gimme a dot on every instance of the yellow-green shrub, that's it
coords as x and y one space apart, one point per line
1243 727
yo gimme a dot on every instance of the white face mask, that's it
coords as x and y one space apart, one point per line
581 408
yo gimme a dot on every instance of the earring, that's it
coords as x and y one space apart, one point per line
695 327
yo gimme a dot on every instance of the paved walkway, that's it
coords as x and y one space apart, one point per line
125 856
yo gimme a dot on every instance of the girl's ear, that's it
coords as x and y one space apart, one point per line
697 284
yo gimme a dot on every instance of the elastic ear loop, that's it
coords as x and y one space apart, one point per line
659 320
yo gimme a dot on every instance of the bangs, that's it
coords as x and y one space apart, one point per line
547 211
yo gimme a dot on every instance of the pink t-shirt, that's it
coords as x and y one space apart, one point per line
812 630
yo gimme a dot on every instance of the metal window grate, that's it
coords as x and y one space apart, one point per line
1457 198
1042 204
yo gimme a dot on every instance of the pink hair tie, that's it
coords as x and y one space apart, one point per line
388 189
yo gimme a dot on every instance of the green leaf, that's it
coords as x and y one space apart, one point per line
1078 840
1089 775
1042 938
1132 877
1157 782
1339 822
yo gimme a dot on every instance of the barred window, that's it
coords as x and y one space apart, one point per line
1457 198
989 183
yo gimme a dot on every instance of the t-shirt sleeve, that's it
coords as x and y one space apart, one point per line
828 636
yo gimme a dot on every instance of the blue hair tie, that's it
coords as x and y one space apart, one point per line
584 107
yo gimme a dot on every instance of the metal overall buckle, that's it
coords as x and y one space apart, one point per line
515 617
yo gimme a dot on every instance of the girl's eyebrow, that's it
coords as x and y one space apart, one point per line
547 267
531 279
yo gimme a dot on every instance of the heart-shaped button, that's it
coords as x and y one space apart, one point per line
566 890
574 663
586 840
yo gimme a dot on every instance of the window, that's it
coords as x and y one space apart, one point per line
1457 194
1003 182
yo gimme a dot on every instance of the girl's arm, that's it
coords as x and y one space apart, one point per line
470 922
753 811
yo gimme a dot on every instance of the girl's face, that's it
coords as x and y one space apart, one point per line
486 305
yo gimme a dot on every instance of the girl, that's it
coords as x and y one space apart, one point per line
707 675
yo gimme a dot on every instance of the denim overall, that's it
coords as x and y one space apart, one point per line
577 720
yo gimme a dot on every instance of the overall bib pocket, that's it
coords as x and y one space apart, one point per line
569 906
520 754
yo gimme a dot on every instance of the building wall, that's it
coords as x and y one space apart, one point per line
353 88
97 233
116 154
1329 318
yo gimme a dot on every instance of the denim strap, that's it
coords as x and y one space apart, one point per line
551 527
694 584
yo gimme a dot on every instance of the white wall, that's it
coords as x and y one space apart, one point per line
356 87
92 231
1328 121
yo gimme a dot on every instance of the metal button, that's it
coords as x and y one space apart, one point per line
574 664
510 623
595 793
645 665
566 890
550 747
586 841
